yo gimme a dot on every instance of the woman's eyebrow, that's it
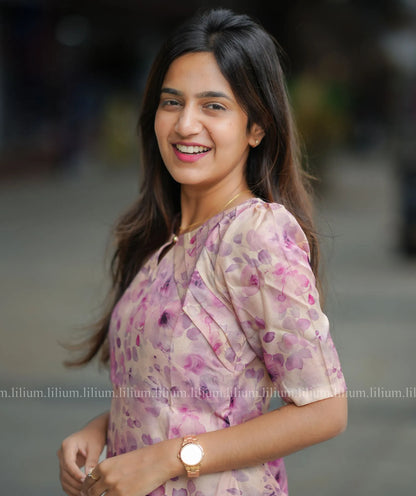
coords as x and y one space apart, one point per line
213 94
171 91
203 94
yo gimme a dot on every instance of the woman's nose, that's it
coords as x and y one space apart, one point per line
188 122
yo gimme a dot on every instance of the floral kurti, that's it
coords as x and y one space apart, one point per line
205 336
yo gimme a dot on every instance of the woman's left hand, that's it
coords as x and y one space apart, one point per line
136 473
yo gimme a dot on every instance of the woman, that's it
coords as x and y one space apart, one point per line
215 302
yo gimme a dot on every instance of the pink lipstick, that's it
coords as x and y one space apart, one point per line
190 152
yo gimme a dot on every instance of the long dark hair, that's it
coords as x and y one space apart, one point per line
248 58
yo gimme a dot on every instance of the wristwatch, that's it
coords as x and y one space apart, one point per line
191 454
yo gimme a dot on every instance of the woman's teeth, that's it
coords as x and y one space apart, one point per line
191 149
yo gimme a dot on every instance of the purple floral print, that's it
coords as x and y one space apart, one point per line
203 339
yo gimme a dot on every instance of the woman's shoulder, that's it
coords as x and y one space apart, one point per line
265 222
254 231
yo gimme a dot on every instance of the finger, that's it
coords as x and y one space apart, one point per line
68 462
93 456
69 481
97 489
69 488
70 491
90 482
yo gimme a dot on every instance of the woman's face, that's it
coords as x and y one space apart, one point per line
200 128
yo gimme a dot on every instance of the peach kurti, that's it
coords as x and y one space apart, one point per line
202 339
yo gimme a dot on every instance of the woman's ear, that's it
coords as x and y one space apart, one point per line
255 136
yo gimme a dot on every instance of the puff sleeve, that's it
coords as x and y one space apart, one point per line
263 269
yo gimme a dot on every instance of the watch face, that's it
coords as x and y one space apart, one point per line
191 454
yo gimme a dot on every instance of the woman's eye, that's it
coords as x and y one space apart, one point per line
215 106
169 103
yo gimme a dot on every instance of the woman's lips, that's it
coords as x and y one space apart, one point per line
190 152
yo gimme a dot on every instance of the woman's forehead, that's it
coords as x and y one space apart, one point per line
197 73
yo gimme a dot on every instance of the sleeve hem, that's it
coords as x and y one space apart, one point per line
302 397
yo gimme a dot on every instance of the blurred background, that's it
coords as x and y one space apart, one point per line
71 78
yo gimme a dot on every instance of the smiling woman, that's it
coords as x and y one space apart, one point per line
215 286
202 135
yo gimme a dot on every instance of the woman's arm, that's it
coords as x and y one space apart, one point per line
267 437
83 448
273 435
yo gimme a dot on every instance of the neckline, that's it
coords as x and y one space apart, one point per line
227 204
223 213
175 238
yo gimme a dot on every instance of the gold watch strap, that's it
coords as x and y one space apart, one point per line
193 471
189 439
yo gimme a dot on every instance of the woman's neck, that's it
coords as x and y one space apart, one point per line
198 207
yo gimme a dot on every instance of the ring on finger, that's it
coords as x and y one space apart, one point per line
92 476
